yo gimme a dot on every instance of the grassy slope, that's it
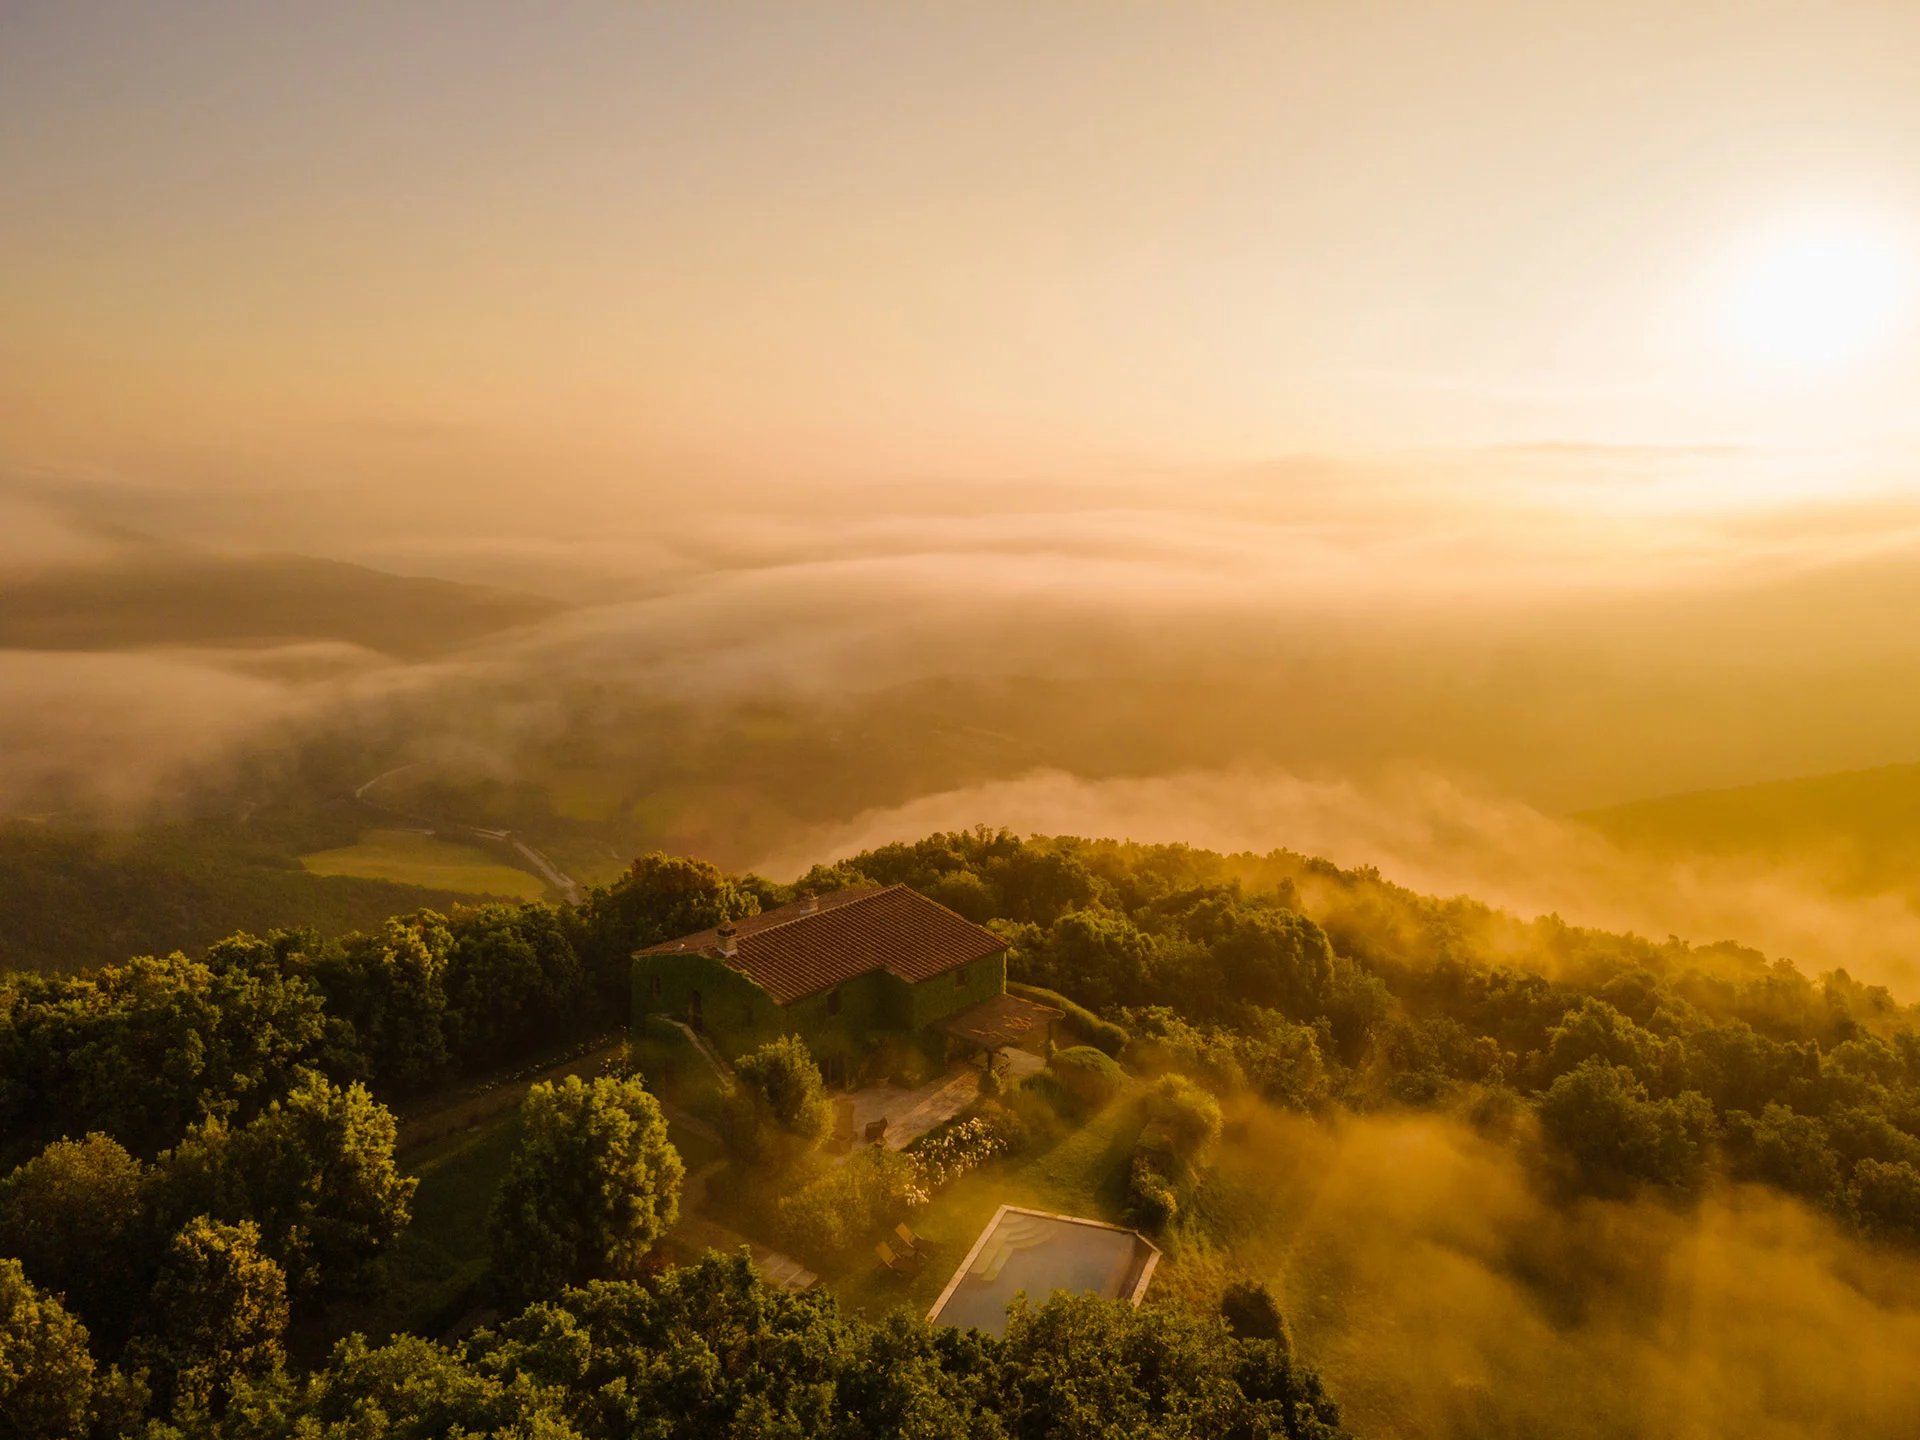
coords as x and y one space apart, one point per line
406 857
73 900
1861 827
437 1270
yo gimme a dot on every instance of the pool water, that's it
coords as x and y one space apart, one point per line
1036 1253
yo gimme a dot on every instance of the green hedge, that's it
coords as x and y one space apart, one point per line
1085 1026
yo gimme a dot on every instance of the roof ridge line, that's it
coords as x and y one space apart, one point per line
873 894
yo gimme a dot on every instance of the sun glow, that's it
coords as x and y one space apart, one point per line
1818 294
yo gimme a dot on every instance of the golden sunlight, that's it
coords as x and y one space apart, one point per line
1817 293
1136 720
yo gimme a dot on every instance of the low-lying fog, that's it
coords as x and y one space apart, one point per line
1420 665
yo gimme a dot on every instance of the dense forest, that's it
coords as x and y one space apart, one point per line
1645 1063
201 1148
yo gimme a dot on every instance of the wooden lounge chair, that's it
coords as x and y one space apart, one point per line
898 1264
877 1130
912 1241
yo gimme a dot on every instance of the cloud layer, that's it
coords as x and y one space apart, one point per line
1443 1296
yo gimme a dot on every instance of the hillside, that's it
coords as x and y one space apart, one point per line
1859 829
77 899
162 595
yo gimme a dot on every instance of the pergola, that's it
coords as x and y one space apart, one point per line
998 1021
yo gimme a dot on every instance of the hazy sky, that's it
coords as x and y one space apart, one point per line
478 243
1521 394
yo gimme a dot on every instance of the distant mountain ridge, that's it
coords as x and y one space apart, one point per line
1861 828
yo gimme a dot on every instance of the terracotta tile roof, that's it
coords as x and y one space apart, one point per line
812 945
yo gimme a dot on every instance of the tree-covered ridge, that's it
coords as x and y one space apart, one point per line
1642 1061
78 899
143 1050
703 1351
201 1147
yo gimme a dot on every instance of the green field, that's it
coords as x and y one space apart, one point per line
410 858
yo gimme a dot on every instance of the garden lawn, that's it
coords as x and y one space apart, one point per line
407 857
1084 1174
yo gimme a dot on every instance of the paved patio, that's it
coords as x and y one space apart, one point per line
912 1113
1022 1063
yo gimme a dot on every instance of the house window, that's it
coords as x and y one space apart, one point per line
653 987
959 977
833 1002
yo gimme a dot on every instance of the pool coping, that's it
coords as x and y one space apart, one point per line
1132 1298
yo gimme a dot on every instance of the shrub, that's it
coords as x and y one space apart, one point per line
827 1219
1251 1312
1150 1195
1008 1124
778 1111
1087 1077
1105 1035
1035 1105
1156 1144
945 1155
1189 1116
1079 1021
1183 1123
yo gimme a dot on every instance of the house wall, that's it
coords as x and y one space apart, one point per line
935 999
733 1009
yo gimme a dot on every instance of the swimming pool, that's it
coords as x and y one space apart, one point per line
1036 1252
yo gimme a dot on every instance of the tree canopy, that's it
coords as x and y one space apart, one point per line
710 1352
592 1184
779 1108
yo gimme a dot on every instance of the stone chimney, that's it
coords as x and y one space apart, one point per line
727 944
